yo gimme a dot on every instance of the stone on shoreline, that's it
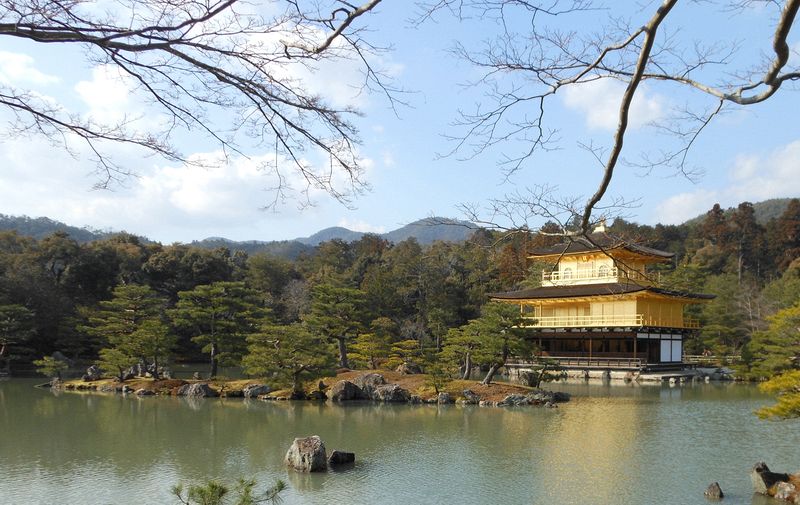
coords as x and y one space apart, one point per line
444 398
255 390
368 382
390 393
345 391
307 455
470 398
198 390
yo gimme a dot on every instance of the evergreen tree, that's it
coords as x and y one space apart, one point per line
16 330
777 348
499 336
787 388
132 323
460 347
292 352
219 316
374 347
337 314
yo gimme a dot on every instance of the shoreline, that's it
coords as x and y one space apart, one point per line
406 388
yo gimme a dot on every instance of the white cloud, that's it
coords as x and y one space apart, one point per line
753 177
388 159
16 69
684 206
361 226
107 94
599 101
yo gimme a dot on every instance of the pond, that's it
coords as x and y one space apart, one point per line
612 444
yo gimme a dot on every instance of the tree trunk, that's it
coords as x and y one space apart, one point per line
155 368
496 366
342 341
467 367
214 360
490 375
540 378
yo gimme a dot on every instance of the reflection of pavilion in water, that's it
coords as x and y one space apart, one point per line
592 456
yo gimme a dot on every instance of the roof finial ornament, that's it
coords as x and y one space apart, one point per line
601 226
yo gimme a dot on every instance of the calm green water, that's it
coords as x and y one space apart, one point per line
610 445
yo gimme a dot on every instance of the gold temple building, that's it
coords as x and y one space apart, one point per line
600 308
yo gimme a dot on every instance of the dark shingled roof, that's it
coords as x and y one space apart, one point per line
579 290
596 242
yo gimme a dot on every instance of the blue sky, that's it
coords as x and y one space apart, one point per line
748 154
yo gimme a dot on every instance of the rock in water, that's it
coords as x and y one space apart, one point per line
344 391
307 455
786 491
763 479
200 390
341 458
714 492
390 393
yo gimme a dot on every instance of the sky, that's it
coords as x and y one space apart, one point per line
747 154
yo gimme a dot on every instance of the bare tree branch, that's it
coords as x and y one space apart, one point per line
202 61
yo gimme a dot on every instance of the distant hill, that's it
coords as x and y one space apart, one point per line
431 229
41 227
765 211
288 249
335 232
425 231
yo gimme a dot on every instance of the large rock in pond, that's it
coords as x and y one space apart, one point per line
198 390
307 455
390 393
714 492
341 458
786 491
444 398
763 479
368 383
345 391
255 390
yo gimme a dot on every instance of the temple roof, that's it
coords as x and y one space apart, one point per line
599 241
581 290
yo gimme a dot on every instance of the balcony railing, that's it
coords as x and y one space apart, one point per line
584 275
603 321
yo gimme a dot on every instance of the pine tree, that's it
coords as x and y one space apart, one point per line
337 314
219 317
132 323
16 330
292 352
777 349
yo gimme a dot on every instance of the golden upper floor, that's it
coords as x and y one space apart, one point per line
597 259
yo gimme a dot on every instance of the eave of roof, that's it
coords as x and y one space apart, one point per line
597 242
583 290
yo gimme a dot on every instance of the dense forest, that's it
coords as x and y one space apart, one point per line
120 300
